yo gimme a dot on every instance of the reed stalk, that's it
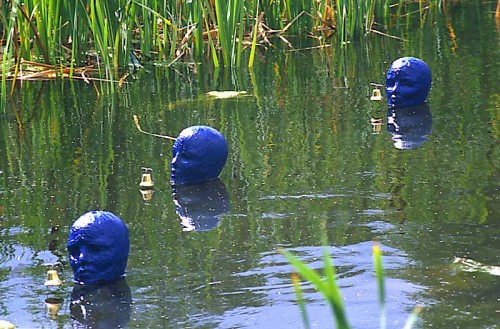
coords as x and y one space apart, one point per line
328 287
7 56
379 276
300 300
229 15
254 36
412 319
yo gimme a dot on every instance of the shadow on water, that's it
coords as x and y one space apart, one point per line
303 160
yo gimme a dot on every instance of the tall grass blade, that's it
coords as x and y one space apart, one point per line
306 272
238 24
223 26
254 36
334 295
379 275
213 51
165 20
230 30
300 300
412 319
8 52
327 287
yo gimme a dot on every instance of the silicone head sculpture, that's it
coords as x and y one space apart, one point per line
198 155
408 82
98 247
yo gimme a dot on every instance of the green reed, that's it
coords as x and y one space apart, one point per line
327 285
230 30
379 276
8 24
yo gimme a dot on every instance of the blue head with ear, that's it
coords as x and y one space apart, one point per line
98 247
198 155
408 82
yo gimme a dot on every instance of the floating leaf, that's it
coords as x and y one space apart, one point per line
469 265
226 94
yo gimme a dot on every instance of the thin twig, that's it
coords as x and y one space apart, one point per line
136 120
182 47
309 48
122 79
386 35
84 77
292 21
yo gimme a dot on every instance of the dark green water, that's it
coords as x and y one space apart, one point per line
304 160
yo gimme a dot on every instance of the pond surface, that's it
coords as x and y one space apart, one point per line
308 157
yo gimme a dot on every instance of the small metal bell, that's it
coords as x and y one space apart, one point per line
147 179
376 95
147 194
376 124
53 278
53 306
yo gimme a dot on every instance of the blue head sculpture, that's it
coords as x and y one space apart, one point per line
198 155
98 247
408 82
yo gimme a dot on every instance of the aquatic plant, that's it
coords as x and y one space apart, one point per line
328 287
78 39
56 31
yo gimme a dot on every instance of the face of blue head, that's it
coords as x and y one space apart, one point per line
198 155
408 82
98 247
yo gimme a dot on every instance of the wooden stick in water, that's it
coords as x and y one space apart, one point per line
136 120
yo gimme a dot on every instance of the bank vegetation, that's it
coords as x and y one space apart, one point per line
98 39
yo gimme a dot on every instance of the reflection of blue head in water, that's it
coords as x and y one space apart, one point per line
98 247
104 306
199 154
198 205
409 126
408 82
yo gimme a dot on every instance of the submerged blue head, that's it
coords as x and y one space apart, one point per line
408 82
198 155
98 247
